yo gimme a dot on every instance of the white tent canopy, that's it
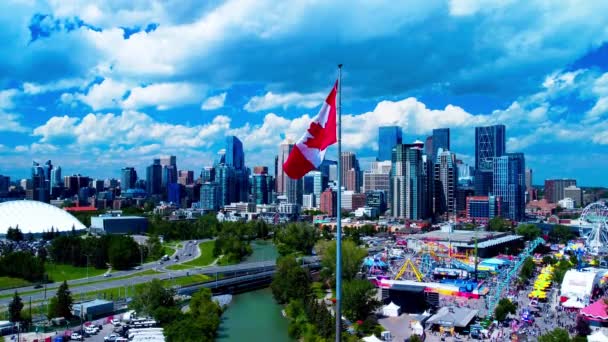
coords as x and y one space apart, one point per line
598 336
578 284
391 310
573 303
372 338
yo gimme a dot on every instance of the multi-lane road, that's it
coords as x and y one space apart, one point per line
189 251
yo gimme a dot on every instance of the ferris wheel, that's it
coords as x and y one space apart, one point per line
595 215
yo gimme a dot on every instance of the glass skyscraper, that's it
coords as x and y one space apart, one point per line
509 184
388 138
441 139
154 178
235 156
446 182
489 143
128 179
406 191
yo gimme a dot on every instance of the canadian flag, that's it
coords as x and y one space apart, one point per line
309 151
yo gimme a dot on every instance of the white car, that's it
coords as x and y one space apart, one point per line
91 330
111 338
76 337
115 322
107 275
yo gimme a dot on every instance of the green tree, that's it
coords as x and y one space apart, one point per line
290 281
527 269
549 260
504 308
14 234
187 330
359 299
556 335
498 224
352 257
528 231
150 296
123 252
52 308
296 238
64 301
155 247
14 309
415 338
561 234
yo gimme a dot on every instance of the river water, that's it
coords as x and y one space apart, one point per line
254 316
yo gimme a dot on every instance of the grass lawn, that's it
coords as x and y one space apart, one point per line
225 262
179 267
206 256
59 272
189 280
9 282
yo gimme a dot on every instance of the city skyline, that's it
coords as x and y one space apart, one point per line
113 96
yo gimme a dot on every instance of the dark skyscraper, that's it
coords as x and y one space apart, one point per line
235 156
407 182
441 139
128 179
154 174
489 143
388 137
510 184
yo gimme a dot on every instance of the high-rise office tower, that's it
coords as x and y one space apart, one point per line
284 150
154 178
208 174
291 188
48 168
5 182
489 143
428 166
185 177
325 166
56 177
262 186
226 180
510 185
406 182
378 178
235 156
210 196
351 173
528 179
445 183
128 178
40 184
554 189
428 146
98 185
441 140
169 165
388 137
328 203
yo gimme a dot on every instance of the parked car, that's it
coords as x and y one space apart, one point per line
115 322
76 337
111 338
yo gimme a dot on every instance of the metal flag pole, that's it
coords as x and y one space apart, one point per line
339 218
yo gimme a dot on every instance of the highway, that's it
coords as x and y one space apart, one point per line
101 283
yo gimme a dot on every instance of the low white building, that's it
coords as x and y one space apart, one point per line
566 203
366 211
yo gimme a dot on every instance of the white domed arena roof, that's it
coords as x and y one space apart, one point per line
35 217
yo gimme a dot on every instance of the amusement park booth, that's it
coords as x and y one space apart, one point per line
596 314
410 298
489 244
451 319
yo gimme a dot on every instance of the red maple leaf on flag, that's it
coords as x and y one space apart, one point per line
321 137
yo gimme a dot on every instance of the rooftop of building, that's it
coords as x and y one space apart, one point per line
119 217
484 238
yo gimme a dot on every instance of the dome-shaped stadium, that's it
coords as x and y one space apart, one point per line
35 217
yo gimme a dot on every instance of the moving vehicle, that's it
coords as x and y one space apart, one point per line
165 258
107 275
115 322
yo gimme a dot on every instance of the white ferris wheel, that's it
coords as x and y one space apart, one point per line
595 216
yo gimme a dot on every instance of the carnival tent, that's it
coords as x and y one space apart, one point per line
596 311
578 284
598 336
372 338
573 303
391 310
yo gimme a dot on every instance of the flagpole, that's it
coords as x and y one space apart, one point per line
339 218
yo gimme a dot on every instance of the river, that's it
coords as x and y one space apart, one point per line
255 316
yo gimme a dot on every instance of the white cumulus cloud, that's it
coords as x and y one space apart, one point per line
214 102
272 100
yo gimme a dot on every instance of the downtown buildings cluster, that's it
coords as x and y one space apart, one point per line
416 181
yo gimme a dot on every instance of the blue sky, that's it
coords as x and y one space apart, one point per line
99 85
